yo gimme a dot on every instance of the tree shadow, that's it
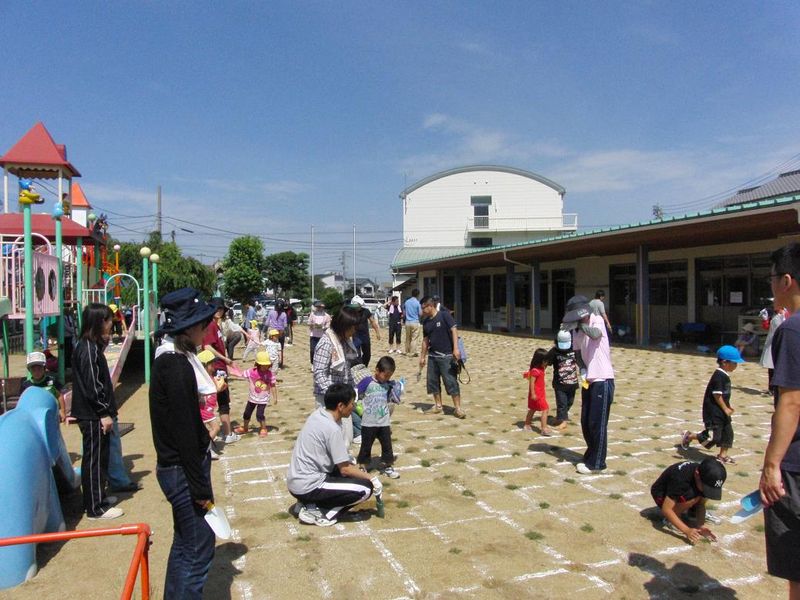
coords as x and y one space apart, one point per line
682 580
223 571
562 454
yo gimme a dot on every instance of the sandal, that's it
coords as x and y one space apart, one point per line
726 460
459 414
240 430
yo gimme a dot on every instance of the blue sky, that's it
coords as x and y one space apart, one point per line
270 117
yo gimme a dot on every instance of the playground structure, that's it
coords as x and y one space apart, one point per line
49 262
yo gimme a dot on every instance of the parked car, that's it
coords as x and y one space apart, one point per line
237 312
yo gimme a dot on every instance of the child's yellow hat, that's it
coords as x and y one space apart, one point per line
274 332
206 356
254 324
262 358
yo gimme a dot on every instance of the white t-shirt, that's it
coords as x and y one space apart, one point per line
318 449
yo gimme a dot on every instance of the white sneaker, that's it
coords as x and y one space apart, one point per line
214 455
232 438
583 469
111 513
391 473
311 515
357 440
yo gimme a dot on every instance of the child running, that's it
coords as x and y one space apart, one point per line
717 409
537 402
565 376
253 340
208 401
376 392
262 392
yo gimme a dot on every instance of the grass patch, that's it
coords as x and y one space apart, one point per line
623 428
758 451
615 496
586 528
438 447
472 433
627 454
742 473
445 477
661 466
490 442
655 437
402 504
281 515
569 480
542 465
461 459
303 538
485 472
425 463
533 535
412 450
544 505
468 493
759 528
620 472
455 551
511 486
515 454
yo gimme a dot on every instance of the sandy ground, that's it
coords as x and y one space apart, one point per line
482 509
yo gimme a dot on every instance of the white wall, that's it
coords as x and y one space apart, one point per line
438 213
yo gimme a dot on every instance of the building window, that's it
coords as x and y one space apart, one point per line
481 242
480 211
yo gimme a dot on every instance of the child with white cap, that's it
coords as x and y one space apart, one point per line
41 378
565 376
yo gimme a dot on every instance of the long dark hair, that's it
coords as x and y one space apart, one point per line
183 343
93 319
346 318
539 358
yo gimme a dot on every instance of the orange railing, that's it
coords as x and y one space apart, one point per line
139 562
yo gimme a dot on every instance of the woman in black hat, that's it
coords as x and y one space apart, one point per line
181 441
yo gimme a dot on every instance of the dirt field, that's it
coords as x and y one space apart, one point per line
482 509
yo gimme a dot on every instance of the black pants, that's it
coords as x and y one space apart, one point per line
595 410
313 341
368 436
259 408
564 400
337 494
366 353
230 343
395 331
94 467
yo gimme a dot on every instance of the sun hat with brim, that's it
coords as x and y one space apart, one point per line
182 309
273 332
262 358
218 303
36 358
577 309
729 353
713 475
205 357
356 302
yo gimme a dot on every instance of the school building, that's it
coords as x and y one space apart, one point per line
494 243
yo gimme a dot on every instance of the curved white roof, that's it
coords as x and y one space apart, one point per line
472 168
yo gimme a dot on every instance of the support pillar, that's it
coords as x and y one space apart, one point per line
457 304
642 296
536 300
510 300
78 294
26 216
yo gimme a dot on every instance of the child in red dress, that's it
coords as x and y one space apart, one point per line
537 401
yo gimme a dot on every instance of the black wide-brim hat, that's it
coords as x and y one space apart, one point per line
182 309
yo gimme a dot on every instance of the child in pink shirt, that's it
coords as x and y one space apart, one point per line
261 382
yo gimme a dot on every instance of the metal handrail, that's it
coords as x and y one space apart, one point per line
139 563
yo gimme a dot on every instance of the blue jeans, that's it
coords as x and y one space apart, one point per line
595 409
356 424
118 475
193 540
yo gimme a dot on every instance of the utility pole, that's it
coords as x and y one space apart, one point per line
313 297
172 233
355 292
158 213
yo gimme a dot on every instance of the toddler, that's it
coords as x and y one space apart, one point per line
376 394
261 381
208 401
537 402
253 340
565 376
273 346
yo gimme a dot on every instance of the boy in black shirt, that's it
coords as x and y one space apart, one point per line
687 485
717 409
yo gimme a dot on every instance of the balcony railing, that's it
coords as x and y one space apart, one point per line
568 221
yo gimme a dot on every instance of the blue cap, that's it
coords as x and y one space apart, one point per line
729 353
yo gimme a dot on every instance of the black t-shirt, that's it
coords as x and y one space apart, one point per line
786 358
565 369
720 382
438 331
677 482
362 330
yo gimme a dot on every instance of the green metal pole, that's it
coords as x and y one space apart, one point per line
5 347
155 284
26 212
60 275
146 317
79 283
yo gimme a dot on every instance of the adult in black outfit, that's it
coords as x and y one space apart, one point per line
181 441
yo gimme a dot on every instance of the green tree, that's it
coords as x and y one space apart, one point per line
287 274
242 268
174 269
332 298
